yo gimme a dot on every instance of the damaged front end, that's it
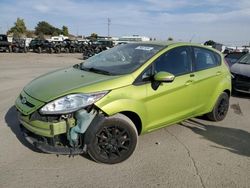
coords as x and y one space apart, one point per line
55 133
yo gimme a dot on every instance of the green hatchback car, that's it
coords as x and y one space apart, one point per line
101 105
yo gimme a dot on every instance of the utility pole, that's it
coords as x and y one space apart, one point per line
77 29
109 22
192 38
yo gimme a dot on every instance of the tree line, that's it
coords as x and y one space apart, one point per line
43 28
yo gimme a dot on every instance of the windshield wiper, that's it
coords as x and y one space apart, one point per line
95 70
99 71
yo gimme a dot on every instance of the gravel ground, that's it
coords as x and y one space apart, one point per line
195 153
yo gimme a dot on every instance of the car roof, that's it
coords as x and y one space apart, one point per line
170 43
160 43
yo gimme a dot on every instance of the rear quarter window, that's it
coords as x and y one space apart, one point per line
205 59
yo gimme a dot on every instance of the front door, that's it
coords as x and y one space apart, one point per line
171 102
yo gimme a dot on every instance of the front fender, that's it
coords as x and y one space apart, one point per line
122 105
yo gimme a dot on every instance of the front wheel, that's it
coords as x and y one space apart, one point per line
113 140
220 109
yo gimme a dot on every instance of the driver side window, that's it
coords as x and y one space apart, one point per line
176 61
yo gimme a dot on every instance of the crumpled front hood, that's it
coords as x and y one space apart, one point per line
71 80
242 69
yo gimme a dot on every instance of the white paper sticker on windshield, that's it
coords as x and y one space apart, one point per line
147 48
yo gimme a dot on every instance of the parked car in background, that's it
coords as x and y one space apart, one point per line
40 45
233 57
5 45
19 45
228 50
102 105
241 74
105 43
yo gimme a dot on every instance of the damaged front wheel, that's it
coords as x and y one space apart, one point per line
112 141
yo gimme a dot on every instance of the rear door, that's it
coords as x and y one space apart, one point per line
208 74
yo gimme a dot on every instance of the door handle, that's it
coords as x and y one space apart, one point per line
188 82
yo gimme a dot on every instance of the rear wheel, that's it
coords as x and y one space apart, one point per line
39 50
220 109
25 50
51 50
113 140
58 50
10 49
66 50
72 50
15 49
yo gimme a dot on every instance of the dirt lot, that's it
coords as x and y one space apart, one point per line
196 153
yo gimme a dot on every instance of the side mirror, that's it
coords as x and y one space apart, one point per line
164 77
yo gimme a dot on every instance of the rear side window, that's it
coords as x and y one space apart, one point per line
205 59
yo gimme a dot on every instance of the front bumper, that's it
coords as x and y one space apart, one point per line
241 83
47 129
60 134
48 145
53 134
48 136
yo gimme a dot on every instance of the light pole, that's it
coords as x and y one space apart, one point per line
109 22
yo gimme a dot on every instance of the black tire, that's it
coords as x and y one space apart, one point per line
51 50
72 50
113 140
66 50
220 109
39 50
10 49
58 50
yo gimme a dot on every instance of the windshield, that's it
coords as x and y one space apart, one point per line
122 59
245 59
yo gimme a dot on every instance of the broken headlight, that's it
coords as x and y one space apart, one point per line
71 103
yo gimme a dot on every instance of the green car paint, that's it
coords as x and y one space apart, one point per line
27 109
64 81
46 129
165 107
187 96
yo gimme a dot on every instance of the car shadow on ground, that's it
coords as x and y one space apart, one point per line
234 140
13 124
240 95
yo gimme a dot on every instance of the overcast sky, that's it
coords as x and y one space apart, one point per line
226 21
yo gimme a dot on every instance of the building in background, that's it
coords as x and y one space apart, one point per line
130 39
58 38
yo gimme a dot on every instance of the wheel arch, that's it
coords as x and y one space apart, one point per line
134 110
228 92
224 86
135 118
